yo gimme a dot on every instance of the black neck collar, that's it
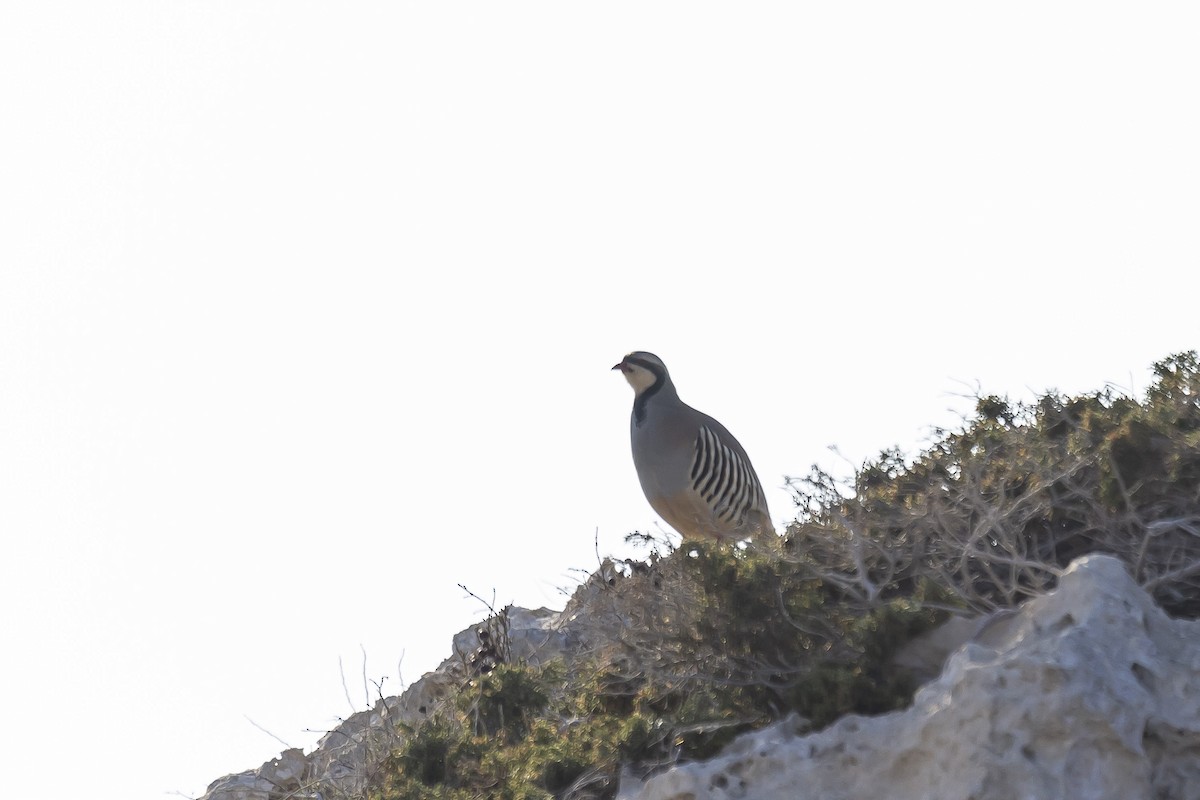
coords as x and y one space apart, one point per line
660 380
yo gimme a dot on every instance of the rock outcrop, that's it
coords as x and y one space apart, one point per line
1088 692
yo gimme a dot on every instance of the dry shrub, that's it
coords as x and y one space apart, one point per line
993 511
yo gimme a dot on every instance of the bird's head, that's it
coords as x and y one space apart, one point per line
643 370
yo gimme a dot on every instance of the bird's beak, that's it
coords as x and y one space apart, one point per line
618 366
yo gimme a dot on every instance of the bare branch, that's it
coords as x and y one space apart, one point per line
268 733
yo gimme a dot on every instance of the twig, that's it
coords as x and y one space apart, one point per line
268 733
345 688
366 691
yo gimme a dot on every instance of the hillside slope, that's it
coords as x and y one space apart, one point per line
715 671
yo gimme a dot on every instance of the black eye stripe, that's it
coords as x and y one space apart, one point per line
649 366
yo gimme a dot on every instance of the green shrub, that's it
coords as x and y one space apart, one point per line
745 649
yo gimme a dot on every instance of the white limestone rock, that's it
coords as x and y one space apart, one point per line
278 777
1088 692
533 636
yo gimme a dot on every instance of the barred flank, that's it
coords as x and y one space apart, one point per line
722 478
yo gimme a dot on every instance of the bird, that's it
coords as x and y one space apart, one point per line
694 473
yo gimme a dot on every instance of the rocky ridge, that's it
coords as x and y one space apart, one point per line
1091 691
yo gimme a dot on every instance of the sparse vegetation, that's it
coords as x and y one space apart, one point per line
992 512
690 647
681 689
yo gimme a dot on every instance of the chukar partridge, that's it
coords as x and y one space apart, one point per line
694 473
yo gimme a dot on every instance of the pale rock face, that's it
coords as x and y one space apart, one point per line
1088 692
277 777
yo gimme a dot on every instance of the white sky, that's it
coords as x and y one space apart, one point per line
307 310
